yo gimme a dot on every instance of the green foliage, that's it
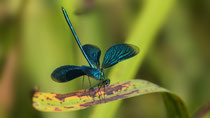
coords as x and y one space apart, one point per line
173 38
142 34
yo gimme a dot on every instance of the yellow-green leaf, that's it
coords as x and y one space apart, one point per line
52 102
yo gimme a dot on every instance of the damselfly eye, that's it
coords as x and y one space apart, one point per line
107 82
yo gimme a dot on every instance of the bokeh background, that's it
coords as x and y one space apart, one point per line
35 39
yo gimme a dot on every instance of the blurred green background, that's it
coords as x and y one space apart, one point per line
35 39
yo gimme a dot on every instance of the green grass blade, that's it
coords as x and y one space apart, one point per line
51 102
174 106
147 25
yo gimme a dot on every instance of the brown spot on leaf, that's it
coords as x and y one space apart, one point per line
57 109
92 92
48 98
116 97
69 107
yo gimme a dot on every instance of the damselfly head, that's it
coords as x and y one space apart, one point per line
106 82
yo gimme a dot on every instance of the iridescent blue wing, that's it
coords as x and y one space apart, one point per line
92 72
66 73
118 53
93 53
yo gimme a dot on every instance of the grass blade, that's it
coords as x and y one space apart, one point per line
147 25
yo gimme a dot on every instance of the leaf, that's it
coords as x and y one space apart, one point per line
175 106
52 102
